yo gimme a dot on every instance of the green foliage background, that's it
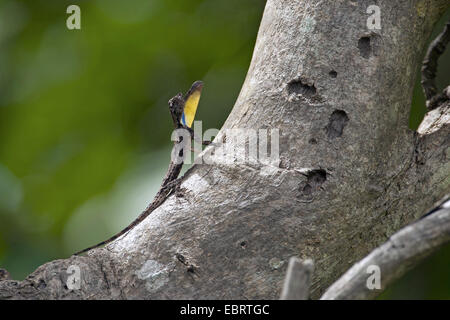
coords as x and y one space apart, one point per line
84 126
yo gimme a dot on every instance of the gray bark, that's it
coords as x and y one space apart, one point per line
350 174
298 279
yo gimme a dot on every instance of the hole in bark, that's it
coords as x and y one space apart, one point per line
314 179
337 123
364 47
298 87
191 269
243 244
181 258
312 141
42 284
333 74
307 189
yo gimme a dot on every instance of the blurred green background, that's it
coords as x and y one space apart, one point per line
84 125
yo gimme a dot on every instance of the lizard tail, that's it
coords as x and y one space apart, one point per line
118 235
169 182
159 198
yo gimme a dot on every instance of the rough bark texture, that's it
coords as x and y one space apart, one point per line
351 172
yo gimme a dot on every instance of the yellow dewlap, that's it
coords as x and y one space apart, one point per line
191 107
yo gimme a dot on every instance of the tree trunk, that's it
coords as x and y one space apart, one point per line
350 173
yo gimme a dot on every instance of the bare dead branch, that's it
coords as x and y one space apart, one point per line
400 253
298 279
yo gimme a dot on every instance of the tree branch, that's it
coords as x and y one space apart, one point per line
298 279
400 253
